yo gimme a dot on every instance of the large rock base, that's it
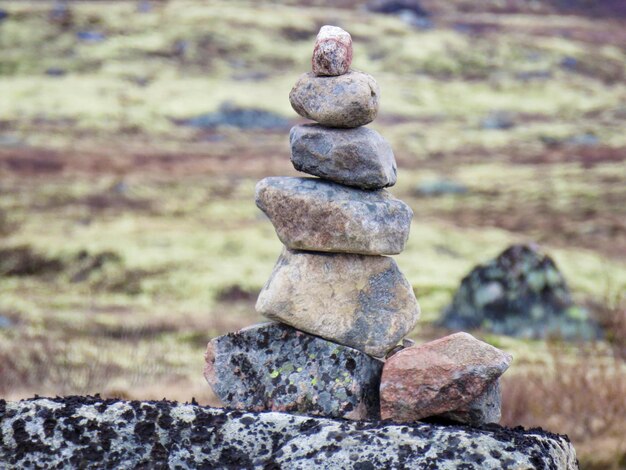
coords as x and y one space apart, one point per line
87 432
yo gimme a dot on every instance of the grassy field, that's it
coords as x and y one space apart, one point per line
128 239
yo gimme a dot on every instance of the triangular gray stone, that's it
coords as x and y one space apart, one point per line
361 301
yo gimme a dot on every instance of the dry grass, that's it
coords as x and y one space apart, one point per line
581 395
612 316
57 365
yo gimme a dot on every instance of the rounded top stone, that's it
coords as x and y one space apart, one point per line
348 100
333 32
332 54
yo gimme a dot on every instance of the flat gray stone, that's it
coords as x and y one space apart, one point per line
484 409
360 301
348 100
276 367
318 215
88 432
355 157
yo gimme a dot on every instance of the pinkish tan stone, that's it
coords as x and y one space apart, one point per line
332 54
439 377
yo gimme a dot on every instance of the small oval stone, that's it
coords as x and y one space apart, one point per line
349 100
332 54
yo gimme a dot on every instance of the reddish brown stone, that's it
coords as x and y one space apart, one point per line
438 377
332 54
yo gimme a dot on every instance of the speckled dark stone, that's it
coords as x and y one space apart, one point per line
275 367
88 432
355 157
317 215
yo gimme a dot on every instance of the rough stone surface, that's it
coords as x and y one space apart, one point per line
360 301
318 215
332 54
438 377
355 157
275 367
86 432
520 293
349 100
484 409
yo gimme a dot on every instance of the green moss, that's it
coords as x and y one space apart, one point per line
577 313
103 77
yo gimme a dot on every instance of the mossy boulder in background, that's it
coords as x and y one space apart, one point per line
520 293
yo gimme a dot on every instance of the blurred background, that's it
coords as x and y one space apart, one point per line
132 134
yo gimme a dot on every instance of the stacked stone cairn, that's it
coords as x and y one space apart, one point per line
339 304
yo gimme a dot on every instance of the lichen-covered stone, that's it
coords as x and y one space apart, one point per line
484 409
355 157
360 301
86 432
332 53
520 293
318 215
348 100
275 367
438 377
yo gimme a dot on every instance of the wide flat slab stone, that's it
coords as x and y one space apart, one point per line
364 302
348 100
318 215
87 432
276 367
449 374
355 157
